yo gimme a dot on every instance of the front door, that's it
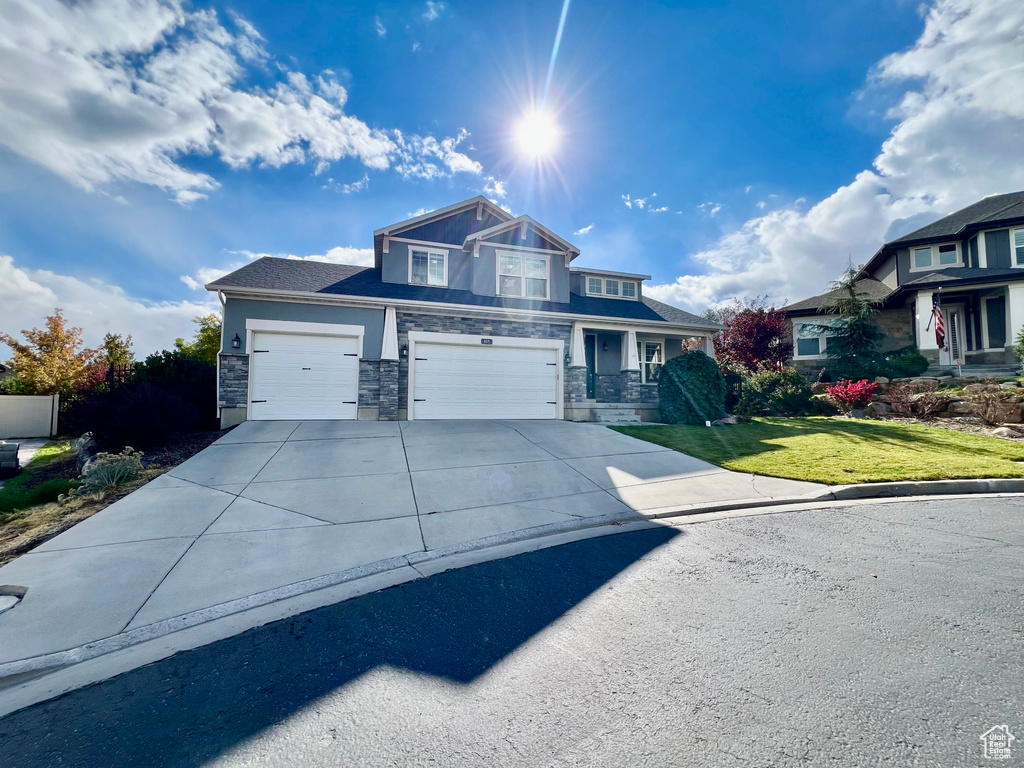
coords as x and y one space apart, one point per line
954 337
590 350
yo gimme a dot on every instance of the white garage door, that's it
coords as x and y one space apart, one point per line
485 382
298 376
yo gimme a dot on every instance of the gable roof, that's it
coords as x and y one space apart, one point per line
272 275
440 213
520 221
990 209
874 290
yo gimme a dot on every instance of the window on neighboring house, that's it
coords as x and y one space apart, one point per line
810 339
594 284
1018 247
948 254
629 290
651 355
428 268
611 287
922 258
523 276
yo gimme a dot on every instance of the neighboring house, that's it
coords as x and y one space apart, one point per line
5 371
467 313
971 262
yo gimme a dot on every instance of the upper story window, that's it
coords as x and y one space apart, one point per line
932 256
523 276
1018 247
613 287
428 267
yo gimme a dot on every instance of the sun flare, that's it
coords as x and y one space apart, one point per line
537 134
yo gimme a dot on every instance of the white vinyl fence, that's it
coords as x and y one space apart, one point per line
28 415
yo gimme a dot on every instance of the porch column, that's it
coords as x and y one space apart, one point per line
1015 292
389 349
629 365
576 373
708 346
922 317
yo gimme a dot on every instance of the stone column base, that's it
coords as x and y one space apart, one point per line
630 389
388 390
575 384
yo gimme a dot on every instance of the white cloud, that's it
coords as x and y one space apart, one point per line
27 296
662 209
494 187
103 92
424 157
356 186
584 230
746 189
710 208
433 10
959 138
762 204
415 47
379 26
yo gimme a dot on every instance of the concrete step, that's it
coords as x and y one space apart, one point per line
606 416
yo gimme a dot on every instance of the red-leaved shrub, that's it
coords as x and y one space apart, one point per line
848 395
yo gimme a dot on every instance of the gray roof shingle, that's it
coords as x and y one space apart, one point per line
271 273
992 208
875 290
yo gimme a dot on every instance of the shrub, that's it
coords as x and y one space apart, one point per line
848 395
142 415
904 362
776 393
109 470
691 389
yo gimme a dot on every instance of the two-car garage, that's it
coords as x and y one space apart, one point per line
310 371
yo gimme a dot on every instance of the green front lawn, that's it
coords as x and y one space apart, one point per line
44 478
839 451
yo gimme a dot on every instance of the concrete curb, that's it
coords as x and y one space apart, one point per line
403 569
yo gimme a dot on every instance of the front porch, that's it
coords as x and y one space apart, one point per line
981 323
614 370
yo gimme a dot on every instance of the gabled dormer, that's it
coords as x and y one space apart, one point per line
476 246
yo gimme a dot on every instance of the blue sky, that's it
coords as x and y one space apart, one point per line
759 146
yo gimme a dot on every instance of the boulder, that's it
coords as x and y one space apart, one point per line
858 413
1008 412
819 388
881 380
1005 432
730 421
876 410
960 408
1007 385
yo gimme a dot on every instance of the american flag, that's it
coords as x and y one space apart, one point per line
940 326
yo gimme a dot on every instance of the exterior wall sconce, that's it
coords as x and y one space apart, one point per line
236 343
404 351
604 346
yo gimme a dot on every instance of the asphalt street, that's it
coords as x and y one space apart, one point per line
886 634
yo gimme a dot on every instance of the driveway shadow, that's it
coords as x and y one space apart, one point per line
189 709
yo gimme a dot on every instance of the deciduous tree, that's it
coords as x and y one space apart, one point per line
52 359
755 336
205 343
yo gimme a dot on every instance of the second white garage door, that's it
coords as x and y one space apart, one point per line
302 376
463 381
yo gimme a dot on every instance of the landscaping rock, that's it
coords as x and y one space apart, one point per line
730 421
877 410
717 423
1008 412
819 387
1005 432
960 408
858 413
881 380
1009 385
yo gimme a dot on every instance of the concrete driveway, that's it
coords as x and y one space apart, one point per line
273 504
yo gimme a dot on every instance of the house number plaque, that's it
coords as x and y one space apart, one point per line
486 341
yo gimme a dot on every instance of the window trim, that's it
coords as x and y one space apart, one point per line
822 338
934 256
643 357
604 287
522 256
430 252
607 287
1013 248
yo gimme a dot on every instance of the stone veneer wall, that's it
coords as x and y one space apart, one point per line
575 385
388 390
234 381
897 324
632 391
608 387
471 326
369 383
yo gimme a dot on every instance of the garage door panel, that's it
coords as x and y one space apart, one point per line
298 376
486 382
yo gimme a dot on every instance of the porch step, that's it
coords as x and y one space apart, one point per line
981 371
616 416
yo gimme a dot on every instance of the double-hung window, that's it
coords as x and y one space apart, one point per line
522 275
652 357
1018 246
428 267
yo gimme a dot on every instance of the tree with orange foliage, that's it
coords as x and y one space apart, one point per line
51 360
